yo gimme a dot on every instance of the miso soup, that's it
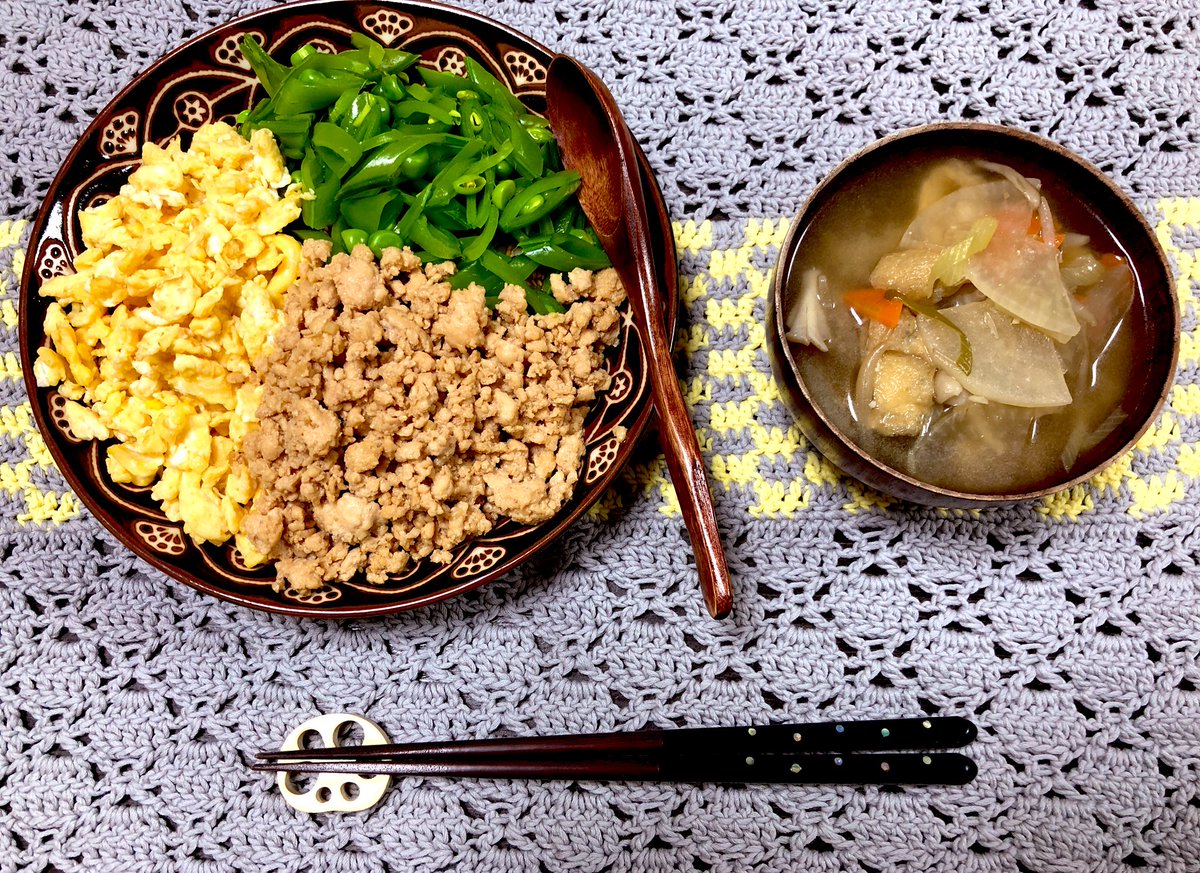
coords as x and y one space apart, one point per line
966 322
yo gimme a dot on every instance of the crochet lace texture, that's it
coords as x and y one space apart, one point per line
1069 630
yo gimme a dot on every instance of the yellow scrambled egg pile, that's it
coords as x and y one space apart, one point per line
181 286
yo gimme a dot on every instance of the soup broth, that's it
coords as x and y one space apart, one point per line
964 342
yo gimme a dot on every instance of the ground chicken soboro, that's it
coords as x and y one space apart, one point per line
399 418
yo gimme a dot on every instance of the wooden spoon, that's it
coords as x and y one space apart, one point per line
597 144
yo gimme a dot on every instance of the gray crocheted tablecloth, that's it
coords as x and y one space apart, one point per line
1069 630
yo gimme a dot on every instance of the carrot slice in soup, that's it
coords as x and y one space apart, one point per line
875 304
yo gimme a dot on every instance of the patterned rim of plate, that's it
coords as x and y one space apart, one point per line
208 79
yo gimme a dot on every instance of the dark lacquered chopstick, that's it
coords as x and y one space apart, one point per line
931 768
945 732
618 744
771 753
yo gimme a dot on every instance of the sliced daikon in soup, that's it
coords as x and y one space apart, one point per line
975 445
1011 362
1102 307
1021 275
949 220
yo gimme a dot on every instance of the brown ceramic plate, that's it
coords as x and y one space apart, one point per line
207 79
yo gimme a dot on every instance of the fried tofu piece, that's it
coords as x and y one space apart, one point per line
902 395
908 272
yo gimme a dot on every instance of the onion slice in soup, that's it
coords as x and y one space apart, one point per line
1011 362
946 178
1021 275
1029 188
951 219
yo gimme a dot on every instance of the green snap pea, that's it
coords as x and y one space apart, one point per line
393 153
302 54
337 148
383 167
542 302
415 165
438 243
409 108
477 246
442 81
341 106
564 252
538 199
476 274
319 210
367 115
353 236
471 184
384 239
307 233
291 134
269 72
312 91
371 212
390 87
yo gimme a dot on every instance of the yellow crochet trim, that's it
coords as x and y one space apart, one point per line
737 322
42 506
741 364
1164 441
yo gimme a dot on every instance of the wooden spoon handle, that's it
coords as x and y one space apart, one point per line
597 143
686 464
676 430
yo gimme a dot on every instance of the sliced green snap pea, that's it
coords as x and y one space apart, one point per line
471 184
353 236
538 198
456 167
564 252
337 148
270 72
384 239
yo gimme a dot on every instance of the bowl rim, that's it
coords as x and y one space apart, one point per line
949 496
250 599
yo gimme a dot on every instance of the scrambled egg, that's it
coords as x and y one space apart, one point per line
179 289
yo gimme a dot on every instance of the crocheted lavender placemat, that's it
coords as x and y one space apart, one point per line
1069 629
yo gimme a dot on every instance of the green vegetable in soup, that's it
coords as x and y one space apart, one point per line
950 268
915 272
964 360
